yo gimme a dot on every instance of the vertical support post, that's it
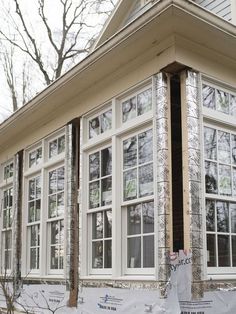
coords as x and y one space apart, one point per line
163 174
17 222
193 230
71 210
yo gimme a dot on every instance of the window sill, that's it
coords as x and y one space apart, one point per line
121 278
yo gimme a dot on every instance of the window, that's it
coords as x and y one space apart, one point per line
55 217
7 228
8 171
35 157
34 213
220 178
118 188
100 123
56 146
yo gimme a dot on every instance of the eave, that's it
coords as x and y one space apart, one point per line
170 17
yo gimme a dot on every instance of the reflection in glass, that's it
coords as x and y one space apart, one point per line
222 101
108 224
146 180
211 177
52 206
94 127
107 254
130 184
94 166
106 191
130 152
144 101
60 179
106 163
94 194
210 143
98 225
234 250
60 204
134 219
224 147
97 254
33 258
145 147
31 189
52 181
222 210
53 148
232 105
223 251
148 217
208 93
234 181
233 217
211 250
233 143
61 144
106 120
129 109
225 180
134 252
148 251
210 215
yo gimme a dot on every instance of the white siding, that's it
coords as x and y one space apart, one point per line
219 7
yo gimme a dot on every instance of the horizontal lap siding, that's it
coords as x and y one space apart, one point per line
219 7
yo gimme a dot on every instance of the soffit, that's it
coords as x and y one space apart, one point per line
165 19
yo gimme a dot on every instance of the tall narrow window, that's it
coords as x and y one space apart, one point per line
56 179
34 213
100 199
7 227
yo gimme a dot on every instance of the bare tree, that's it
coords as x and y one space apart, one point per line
51 48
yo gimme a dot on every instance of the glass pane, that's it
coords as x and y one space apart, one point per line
32 159
7 260
223 251
225 180
94 127
106 120
234 181
232 105
106 191
52 181
232 207
33 258
52 204
108 224
94 166
148 217
94 194
222 210
134 252
38 187
8 240
33 236
145 147
60 204
98 225
53 148
31 189
37 213
233 143
144 101
129 109
224 147
54 257
134 219
5 199
61 257
107 254
38 155
130 184
97 254
208 94
146 180
234 250
60 179
31 217
55 232
5 219
210 143
211 177
222 101
61 144
210 215
130 152
211 250
106 162
148 251
10 197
